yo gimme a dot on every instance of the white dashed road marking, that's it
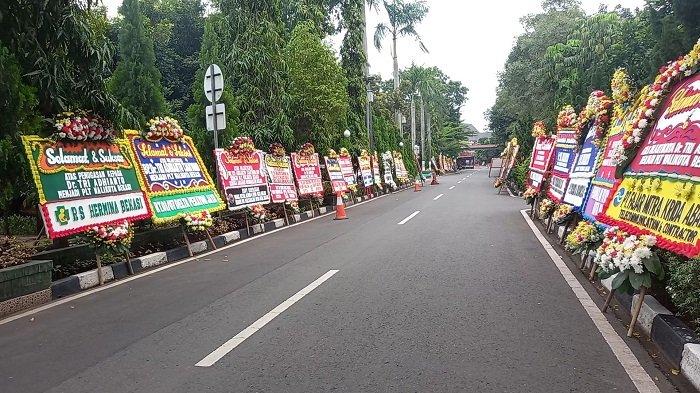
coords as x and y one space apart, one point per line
229 345
405 220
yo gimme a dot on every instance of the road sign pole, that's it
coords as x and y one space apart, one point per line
213 90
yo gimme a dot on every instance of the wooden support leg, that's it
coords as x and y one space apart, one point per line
563 234
187 240
247 225
584 258
637 308
608 300
210 239
286 217
129 268
100 277
594 266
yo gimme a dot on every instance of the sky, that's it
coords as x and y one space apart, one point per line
468 39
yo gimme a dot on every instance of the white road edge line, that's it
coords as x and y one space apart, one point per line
452 187
438 197
232 343
405 220
167 266
642 381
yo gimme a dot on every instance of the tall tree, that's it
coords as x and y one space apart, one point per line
255 60
177 26
63 52
403 18
353 60
136 81
318 99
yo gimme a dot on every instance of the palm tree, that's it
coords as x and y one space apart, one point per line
403 18
422 83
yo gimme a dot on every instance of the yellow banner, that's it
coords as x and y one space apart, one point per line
669 209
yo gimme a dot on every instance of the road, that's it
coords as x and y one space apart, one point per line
461 296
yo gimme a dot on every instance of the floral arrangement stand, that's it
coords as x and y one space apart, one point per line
197 222
631 259
110 240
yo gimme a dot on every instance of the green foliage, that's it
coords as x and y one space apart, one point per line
519 174
317 12
565 54
353 61
254 48
318 98
19 225
18 104
177 27
684 286
62 51
136 81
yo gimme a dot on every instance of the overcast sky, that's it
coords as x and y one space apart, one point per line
469 40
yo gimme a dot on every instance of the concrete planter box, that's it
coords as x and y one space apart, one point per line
24 279
24 286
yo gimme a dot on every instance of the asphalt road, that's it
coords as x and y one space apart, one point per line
461 297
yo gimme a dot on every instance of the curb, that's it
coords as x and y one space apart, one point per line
86 280
674 339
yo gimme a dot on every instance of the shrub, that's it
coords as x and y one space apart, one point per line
519 174
683 284
21 225
13 252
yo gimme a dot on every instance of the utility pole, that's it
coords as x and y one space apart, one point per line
370 96
413 122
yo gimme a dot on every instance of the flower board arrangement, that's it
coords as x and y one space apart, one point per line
621 92
82 126
307 150
630 256
539 129
277 150
344 152
598 110
332 153
562 213
651 99
530 194
567 117
584 237
242 146
293 206
198 222
110 239
258 213
546 208
163 127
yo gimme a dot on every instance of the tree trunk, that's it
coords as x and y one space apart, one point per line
422 134
430 142
413 122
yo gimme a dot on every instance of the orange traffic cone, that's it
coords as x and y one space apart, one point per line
339 207
416 186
